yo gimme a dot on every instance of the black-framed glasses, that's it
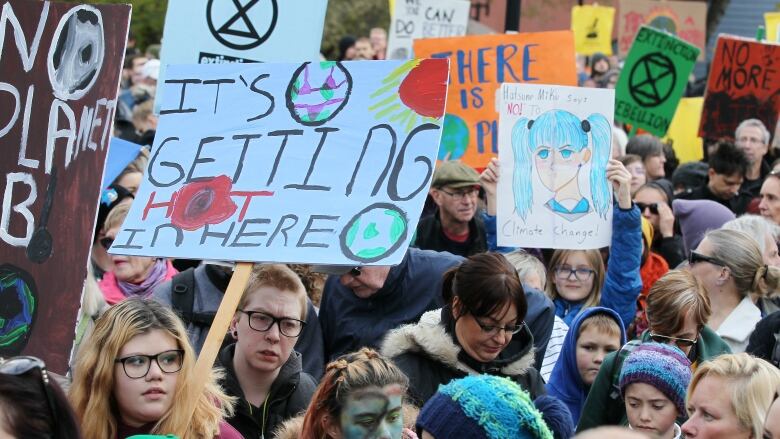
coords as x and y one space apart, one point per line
137 366
680 342
460 195
695 257
494 329
261 322
106 243
581 273
652 206
354 271
17 366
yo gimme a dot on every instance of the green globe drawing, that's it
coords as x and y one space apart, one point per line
374 233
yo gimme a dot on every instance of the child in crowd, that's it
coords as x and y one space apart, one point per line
480 407
653 382
594 333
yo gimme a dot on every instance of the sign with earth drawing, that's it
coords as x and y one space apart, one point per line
316 162
233 31
653 80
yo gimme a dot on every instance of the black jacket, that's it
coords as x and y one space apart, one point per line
290 394
430 236
737 204
428 353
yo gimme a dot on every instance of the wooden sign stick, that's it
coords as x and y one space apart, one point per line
227 308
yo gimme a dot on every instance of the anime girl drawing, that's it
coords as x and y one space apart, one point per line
556 145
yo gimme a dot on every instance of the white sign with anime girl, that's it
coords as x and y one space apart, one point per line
554 143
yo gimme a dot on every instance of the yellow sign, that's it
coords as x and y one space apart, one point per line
683 132
772 26
592 26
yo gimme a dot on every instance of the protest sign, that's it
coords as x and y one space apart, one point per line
686 20
479 64
743 84
683 133
324 163
653 80
554 145
425 19
120 154
592 27
60 65
772 26
216 32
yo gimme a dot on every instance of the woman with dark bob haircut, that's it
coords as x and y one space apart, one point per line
479 330
32 405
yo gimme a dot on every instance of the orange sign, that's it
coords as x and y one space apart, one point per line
686 20
478 66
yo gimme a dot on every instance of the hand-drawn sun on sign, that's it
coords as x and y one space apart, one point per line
652 79
405 94
242 26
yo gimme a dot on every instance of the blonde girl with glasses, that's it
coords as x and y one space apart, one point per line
133 373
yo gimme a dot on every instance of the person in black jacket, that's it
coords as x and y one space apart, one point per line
262 370
480 330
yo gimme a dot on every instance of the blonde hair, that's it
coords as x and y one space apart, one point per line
596 264
116 216
603 323
525 263
672 298
741 254
277 276
753 383
137 165
351 372
92 391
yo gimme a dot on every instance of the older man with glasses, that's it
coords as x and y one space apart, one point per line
454 227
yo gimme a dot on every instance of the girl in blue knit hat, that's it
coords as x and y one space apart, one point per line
653 381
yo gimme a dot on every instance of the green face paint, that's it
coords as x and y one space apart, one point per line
373 413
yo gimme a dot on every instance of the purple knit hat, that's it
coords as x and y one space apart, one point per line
662 366
696 217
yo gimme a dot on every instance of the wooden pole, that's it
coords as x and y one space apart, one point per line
227 308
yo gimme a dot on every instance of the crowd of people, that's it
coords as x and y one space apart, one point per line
672 331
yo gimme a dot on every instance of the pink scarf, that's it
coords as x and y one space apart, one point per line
115 291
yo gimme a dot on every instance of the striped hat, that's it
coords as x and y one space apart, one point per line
662 366
482 406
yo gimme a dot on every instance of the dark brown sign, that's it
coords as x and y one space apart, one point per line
59 75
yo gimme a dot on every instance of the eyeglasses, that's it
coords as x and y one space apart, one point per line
106 243
680 342
494 329
460 195
652 206
694 258
354 271
17 366
137 366
581 274
261 322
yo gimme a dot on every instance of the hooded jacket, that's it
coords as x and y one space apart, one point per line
622 283
601 409
565 381
289 395
429 354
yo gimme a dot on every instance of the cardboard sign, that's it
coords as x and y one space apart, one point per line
683 133
425 19
772 26
743 84
479 64
325 163
120 154
653 80
555 144
592 27
220 31
685 19
60 65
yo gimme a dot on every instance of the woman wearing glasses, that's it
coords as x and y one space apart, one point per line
479 330
263 371
730 266
135 367
677 313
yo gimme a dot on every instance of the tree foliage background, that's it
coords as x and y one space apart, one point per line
352 17
147 19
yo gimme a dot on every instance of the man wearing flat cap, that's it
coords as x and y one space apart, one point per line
454 227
